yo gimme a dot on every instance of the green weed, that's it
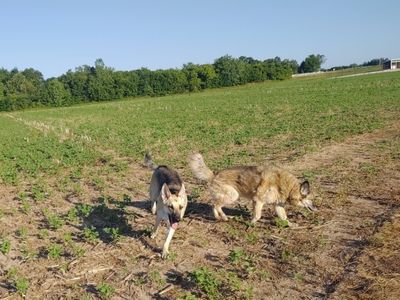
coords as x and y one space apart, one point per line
84 210
114 233
72 215
22 232
5 246
54 251
25 206
236 256
22 285
155 277
67 237
78 251
243 260
43 233
248 292
39 192
105 290
252 237
54 221
206 281
281 223
11 273
90 234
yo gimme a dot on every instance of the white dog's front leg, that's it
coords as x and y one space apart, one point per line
170 234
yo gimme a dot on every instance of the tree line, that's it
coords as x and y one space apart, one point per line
372 62
28 88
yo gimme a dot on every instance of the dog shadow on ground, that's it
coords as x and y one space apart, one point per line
108 219
182 280
204 211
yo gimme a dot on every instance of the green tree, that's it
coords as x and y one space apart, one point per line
19 92
167 82
101 82
276 69
144 86
227 70
34 76
98 82
4 75
249 60
55 94
257 72
1 90
294 65
19 85
126 84
6 104
191 72
77 83
312 63
207 75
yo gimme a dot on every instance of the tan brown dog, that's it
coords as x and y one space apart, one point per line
260 184
168 199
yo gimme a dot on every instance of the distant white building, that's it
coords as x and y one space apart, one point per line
391 64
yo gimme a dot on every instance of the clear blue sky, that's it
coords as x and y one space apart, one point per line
56 35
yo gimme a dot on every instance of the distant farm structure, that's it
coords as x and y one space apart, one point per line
391 64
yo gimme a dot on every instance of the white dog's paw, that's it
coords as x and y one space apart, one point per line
164 254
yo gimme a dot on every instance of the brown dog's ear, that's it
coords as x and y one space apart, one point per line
165 192
182 191
305 188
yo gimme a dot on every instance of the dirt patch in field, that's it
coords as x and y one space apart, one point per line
353 149
348 249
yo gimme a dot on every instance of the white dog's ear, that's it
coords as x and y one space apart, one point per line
165 192
182 191
305 188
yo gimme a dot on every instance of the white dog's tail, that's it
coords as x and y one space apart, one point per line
199 168
148 161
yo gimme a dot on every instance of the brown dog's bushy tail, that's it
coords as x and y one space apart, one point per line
148 161
199 168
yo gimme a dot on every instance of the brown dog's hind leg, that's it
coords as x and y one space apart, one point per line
226 194
216 213
217 210
221 213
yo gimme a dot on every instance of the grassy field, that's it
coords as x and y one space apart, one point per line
74 222
271 117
